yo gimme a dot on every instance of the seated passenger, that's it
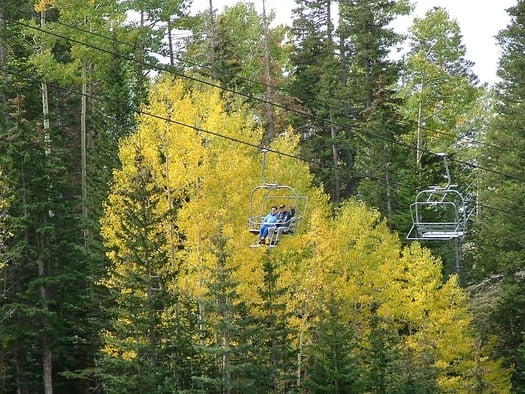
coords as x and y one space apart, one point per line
268 222
284 219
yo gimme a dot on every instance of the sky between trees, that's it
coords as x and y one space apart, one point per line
479 21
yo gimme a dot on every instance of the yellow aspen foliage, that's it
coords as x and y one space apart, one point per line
6 199
358 263
43 5
203 158
190 142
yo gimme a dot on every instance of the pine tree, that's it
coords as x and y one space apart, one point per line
337 75
333 366
383 159
274 350
500 231
47 273
224 337
388 366
365 40
148 307
39 161
317 85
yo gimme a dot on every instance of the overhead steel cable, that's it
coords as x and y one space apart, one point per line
170 70
167 69
236 140
212 70
260 83
216 134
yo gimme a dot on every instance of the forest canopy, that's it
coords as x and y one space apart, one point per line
184 187
130 148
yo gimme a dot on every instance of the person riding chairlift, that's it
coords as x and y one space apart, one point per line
268 222
284 218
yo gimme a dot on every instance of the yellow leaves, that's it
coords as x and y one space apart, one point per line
43 5
414 279
348 257
206 176
359 265
116 351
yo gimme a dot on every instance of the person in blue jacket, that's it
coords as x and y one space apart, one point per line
284 219
269 221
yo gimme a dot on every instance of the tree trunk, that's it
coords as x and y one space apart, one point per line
300 360
4 71
211 51
335 163
388 194
47 357
83 153
419 148
21 370
173 236
224 306
170 43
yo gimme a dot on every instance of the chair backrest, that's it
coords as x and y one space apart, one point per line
438 214
292 226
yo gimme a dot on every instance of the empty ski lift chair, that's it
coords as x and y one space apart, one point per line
438 213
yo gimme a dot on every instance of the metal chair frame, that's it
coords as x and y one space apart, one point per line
264 196
439 213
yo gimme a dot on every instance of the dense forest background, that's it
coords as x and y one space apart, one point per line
131 138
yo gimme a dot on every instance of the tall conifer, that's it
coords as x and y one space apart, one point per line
501 239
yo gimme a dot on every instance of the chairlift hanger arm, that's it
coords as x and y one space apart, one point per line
447 173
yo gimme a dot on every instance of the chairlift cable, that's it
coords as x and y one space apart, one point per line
235 140
170 70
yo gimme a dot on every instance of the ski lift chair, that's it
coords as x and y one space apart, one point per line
265 196
439 213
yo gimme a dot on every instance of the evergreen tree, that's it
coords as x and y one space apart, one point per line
500 241
333 366
317 85
502 186
383 159
387 365
148 308
273 349
336 76
224 337
509 324
51 331
69 269
365 41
